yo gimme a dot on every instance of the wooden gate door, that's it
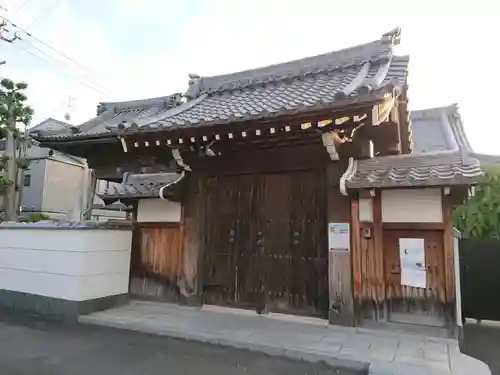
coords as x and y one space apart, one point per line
266 242
156 262
480 279
231 273
415 305
295 251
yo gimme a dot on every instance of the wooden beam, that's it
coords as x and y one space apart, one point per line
404 121
413 226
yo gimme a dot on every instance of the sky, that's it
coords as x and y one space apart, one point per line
126 49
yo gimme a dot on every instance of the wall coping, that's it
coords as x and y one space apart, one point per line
67 225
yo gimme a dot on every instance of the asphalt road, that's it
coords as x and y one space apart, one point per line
482 341
41 348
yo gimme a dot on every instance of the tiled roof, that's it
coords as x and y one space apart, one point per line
442 156
358 74
110 115
145 185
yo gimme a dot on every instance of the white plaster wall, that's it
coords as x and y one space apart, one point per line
158 210
412 206
72 264
366 210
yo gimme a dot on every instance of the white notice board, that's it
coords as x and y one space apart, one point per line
339 237
412 258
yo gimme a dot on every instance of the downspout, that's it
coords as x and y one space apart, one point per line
349 172
185 168
160 193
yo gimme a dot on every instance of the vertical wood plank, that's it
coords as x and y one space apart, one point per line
449 267
339 262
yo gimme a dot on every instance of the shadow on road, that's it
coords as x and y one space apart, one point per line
482 341
30 347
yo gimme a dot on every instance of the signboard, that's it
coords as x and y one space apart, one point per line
339 237
412 258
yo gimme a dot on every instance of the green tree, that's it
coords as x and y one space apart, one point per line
480 215
13 113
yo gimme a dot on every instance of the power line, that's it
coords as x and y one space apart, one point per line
89 72
94 88
21 7
96 84
45 11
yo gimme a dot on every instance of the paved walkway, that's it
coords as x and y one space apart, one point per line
311 340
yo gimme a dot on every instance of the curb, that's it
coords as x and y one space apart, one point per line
271 350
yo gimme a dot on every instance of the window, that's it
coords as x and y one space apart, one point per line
2 145
27 180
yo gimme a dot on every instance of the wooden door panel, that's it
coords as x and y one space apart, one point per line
275 217
409 304
249 243
219 275
298 266
266 242
157 264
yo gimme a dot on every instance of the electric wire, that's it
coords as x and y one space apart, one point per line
62 54
96 89
45 12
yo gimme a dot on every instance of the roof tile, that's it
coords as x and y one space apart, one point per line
145 185
316 82
441 156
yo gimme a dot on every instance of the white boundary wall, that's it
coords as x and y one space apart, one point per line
72 264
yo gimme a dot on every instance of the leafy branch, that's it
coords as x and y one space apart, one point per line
13 112
480 216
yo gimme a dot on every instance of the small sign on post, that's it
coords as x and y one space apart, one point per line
339 238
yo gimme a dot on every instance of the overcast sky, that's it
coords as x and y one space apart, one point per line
137 49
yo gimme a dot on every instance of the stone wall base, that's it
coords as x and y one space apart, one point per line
55 308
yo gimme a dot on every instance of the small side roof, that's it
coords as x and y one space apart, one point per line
140 186
441 156
50 125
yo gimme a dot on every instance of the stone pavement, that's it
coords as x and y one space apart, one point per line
384 353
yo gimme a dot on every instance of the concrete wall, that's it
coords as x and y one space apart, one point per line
158 210
32 197
69 264
63 187
412 206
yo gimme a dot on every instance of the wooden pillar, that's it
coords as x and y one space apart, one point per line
449 266
378 237
192 238
341 309
356 256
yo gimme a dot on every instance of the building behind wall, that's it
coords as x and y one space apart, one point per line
56 183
